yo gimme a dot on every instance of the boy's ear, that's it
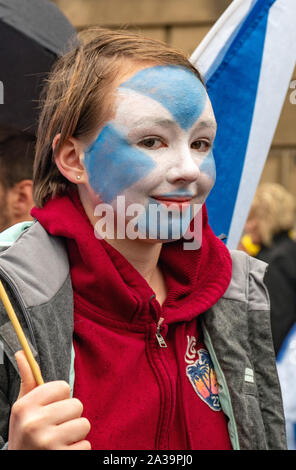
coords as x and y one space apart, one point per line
69 159
20 199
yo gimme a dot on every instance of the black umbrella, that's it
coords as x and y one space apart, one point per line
33 33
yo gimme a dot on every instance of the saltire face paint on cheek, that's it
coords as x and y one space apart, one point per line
113 164
159 222
208 167
176 88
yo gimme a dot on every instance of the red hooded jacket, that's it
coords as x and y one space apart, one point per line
137 394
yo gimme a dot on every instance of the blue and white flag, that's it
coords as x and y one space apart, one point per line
247 60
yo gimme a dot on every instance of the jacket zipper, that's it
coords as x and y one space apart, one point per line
161 371
21 304
159 336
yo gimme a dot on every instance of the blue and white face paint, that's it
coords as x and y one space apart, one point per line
156 151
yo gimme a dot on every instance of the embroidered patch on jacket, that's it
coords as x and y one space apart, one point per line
201 374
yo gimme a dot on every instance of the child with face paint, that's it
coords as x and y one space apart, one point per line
142 342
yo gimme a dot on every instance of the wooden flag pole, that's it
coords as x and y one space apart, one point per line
21 336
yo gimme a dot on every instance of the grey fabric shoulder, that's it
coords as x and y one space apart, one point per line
254 291
35 272
238 336
35 255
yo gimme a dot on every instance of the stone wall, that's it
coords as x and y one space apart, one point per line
183 24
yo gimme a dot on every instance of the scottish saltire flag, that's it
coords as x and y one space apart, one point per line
247 60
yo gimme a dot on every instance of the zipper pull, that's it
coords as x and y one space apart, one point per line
159 336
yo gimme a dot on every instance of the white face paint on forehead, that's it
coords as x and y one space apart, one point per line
155 145
134 109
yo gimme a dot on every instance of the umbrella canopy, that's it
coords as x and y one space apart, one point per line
33 33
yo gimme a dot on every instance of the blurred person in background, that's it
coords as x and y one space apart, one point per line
16 172
269 236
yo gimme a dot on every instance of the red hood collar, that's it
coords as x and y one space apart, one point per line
196 279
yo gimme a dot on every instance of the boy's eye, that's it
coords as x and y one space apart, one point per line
152 143
201 145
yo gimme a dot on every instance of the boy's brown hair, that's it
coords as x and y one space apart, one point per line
75 99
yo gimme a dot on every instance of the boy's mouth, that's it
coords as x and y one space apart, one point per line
174 200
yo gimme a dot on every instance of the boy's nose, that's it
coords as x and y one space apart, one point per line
183 170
